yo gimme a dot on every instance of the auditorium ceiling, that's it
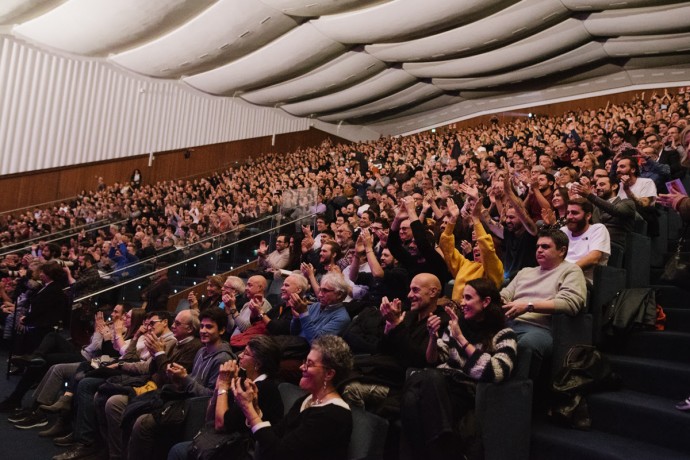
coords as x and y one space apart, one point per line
395 66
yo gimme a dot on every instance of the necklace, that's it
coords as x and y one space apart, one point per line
319 401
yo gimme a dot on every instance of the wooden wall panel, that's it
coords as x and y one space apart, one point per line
29 189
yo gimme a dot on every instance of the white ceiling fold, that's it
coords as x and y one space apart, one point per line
394 65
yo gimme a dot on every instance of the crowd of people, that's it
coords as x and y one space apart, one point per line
436 260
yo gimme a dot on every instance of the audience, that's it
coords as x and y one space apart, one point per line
464 204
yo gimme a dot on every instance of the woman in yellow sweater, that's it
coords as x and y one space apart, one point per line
486 263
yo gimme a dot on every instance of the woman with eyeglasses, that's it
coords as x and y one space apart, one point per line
318 425
225 428
476 347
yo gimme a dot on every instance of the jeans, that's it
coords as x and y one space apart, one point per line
179 451
53 382
85 424
534 345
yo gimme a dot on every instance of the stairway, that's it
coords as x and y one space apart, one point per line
639 421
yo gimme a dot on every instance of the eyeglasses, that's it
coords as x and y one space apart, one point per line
307 363
153 322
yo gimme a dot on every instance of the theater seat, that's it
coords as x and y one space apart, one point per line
504 417
637 259
607 282
196 415
369 431
568 331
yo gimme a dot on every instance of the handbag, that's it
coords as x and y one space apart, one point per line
211 445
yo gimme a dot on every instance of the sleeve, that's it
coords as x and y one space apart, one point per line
94 346
193 386
624 209
394 245
493 266
452 256
572 291
601 240
336 324
495 366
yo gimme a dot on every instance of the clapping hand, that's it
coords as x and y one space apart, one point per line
433 324
392 312
227 372
453 324
298 304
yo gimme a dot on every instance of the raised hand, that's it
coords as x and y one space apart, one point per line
453 324
227 372
392 311
453 208
365 238
433 324
298 304
548 216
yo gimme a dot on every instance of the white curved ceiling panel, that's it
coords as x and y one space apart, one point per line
645 45
404 19
383 84
14 10
415 94
204 42
547 44
298 51
655 20
346 70
439 103
317 8
93 27
586 54
525 18
383 63
599 5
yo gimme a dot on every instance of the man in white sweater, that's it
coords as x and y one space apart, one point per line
555 286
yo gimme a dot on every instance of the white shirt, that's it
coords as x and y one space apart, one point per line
642 188
595 238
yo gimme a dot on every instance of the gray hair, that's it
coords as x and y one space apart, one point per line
236 283
338 282
335 354
301 282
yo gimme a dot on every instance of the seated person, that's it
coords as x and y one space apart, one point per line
200 382
213 298
476 347
259 362
589 244
321 417
554 286
241 320
328 316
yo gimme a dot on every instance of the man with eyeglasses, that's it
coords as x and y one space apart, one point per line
86 437
669 153
110 409
554 286
270 263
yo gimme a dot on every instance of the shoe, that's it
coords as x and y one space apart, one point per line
35 420
62 404
19 415
684 405
78 451
65 441
10 405
59 428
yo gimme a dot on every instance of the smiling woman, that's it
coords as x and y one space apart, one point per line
476 347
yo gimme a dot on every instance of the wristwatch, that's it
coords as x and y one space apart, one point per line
222 392
261 315
530 307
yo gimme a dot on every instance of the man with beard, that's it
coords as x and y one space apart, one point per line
642 191
590 244
617 214
329 253
540 194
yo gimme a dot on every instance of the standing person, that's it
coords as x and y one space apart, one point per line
136 178
47 308
476 347
318 425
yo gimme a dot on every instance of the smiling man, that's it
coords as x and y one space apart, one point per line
590 244
200 382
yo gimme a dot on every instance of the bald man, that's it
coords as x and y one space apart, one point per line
254 290
405 333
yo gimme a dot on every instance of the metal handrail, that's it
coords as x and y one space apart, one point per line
176 264
25 244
